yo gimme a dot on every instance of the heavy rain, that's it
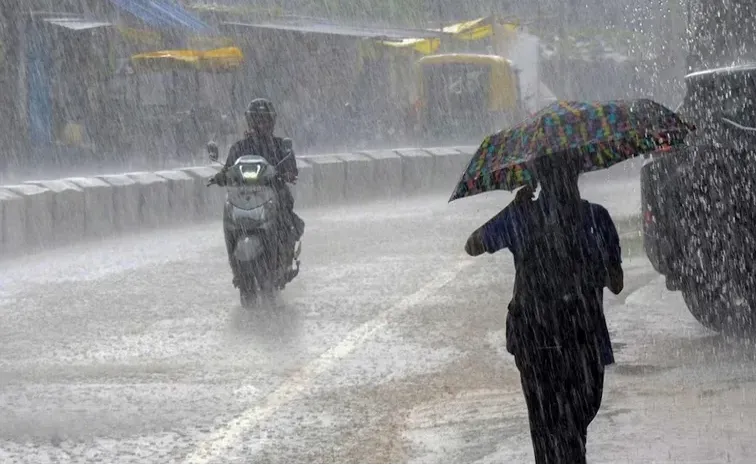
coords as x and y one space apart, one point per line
249 231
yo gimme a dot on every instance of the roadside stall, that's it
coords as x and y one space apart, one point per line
184 95
465 91
335 85
491 33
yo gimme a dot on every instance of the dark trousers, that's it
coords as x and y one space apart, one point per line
563 390
293 220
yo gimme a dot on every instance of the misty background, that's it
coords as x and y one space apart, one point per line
73 103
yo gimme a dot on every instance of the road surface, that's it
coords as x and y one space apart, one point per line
389 347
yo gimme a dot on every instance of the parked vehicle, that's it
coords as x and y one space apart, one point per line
464 97
699 205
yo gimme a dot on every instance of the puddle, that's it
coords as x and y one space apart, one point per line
464 428
637 370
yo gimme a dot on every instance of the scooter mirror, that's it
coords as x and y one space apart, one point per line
212 150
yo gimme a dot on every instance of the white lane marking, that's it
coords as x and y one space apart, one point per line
229 436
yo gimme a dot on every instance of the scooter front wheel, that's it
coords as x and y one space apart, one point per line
248 298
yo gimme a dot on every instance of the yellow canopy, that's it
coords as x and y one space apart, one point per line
476 29
219 59
424 46
470 30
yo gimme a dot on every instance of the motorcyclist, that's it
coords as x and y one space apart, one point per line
259 140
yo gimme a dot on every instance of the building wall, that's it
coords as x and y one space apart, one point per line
10 109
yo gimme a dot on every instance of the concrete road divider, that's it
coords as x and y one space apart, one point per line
329 174
181 199
468 150
388 172
126 198
417 170
304 189
448 167
99 206
58 211
12 222
208 201
38 227
360 176
153 199
68 214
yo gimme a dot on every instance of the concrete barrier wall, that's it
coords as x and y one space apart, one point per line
49 213
35 227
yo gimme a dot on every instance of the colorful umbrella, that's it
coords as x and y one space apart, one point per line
603 133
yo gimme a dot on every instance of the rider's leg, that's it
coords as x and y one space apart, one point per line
230 246
295 221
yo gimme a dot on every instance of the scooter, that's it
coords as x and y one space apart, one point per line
253 226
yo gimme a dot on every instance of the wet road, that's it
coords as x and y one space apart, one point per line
388 347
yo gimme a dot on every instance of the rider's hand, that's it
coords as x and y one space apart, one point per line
217 179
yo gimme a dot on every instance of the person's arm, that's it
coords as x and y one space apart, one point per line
233 155
475 244
612 250
493 236
288 159
615 278
497 233
292 161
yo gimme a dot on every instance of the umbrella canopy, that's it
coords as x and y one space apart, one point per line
602 133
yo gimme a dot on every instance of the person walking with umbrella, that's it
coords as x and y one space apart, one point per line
556 330
566 250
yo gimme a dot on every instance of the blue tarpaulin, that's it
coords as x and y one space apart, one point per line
163 14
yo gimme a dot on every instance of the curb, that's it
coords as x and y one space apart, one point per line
44 214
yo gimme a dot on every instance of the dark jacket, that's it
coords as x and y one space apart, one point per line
272 149
559 280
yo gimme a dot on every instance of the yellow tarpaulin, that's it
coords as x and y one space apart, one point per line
476 29
470 30
424 46
219 59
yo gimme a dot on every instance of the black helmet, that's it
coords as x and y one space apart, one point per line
260 110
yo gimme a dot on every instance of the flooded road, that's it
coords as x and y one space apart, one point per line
389 346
